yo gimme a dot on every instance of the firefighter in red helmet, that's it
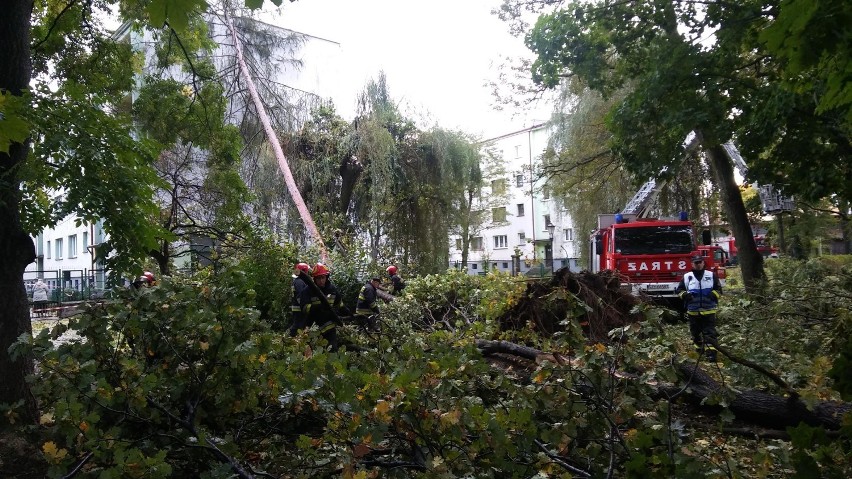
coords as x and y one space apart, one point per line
397 284
315 311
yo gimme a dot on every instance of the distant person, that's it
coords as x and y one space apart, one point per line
149 278
700 291
367 310
40 296
146 280
315 309
397 284
299 285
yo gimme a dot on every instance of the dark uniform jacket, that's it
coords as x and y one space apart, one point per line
367 304
315 312
398 284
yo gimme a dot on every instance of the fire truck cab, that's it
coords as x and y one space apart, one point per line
651 255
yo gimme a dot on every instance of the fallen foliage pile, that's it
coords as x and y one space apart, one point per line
595 301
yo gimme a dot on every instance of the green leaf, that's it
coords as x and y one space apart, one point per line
255 4
175 12
13 127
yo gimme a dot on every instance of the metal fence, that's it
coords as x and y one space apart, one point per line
68 286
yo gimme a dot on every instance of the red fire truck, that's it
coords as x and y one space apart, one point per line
650 254
763 247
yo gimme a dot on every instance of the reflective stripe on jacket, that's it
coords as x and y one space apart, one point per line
315 311
367 301
705 292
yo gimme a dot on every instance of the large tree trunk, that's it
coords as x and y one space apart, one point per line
757 407
16 247
751 262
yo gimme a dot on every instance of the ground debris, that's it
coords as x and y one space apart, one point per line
594 301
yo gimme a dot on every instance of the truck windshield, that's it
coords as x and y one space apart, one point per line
654 240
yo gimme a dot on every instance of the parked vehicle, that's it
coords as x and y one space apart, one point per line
729 245
650 254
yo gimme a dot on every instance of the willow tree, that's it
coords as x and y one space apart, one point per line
581 170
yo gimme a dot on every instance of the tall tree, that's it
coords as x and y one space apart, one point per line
16 247
679 84
84 159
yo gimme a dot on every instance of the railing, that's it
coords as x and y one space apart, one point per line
66 287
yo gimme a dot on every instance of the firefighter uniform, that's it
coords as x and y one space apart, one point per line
700 290
367 309
316 312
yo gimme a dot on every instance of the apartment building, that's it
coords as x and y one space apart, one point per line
529 230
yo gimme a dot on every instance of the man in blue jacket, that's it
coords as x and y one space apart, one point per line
700 291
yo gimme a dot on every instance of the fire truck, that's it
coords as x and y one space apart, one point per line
728 244
650 254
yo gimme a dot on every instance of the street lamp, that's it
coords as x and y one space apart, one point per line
550 229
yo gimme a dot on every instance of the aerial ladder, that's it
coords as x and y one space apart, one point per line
641 203
772 200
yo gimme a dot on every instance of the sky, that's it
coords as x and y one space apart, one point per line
437 56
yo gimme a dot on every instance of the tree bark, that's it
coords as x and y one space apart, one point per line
16 247
751 262
757 407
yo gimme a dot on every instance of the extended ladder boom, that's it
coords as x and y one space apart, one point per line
645 198
772 200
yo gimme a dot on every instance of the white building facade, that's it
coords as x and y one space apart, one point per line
66 257
530 230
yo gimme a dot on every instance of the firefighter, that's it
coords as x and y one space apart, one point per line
146 280
397 284
367 309
295 308
700 291
315 310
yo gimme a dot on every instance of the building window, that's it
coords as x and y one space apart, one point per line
505 265
522 238
72 246
476 243
520 209
568 234
498 186
518 151
458 243
473 266
58 244
498 215
546 222
85 241
519 181
501 241
48 250
546 193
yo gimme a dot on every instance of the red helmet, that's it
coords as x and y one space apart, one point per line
149 276
320 270
304 267
391 270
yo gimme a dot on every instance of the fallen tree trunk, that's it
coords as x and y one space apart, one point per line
751 406
757 407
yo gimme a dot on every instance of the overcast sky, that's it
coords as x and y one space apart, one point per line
437 56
